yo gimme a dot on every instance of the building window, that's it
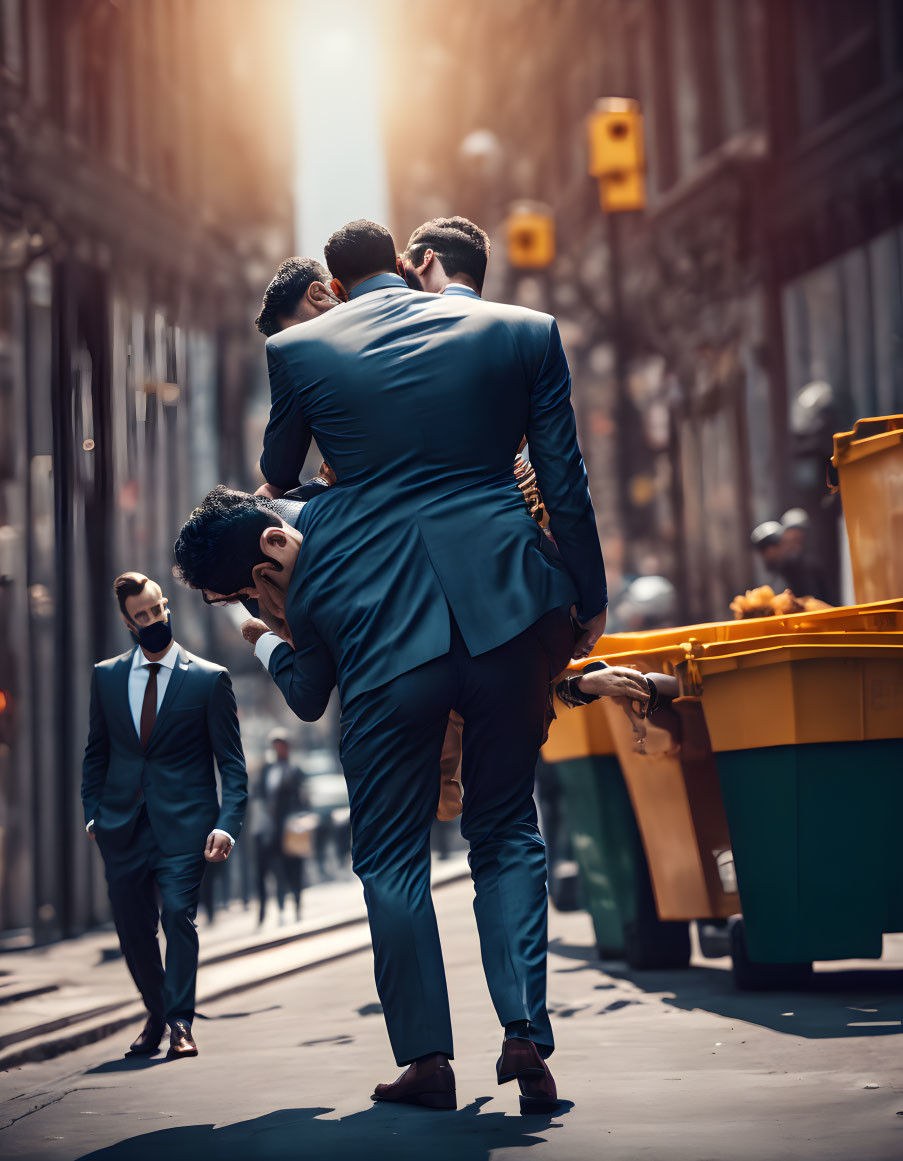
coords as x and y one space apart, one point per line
838 55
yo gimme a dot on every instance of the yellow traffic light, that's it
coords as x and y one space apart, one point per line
615 136
623 190
531 236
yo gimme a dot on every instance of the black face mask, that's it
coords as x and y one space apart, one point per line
154 638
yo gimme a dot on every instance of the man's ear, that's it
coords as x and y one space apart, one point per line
271 540
321 297
338 290
428 256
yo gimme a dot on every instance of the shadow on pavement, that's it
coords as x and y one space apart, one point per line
380 1133
128 1064
854 1002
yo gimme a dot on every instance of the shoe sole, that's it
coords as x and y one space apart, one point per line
180 1055
530 1105
427 1100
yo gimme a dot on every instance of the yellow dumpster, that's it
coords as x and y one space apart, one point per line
868 462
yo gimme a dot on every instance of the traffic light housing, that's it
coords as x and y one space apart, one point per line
623 190
615 137
530 232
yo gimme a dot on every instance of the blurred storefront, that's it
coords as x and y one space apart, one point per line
145 197
761 284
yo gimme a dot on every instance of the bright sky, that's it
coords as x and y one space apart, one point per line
339 169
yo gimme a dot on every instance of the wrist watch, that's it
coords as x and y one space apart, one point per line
570 693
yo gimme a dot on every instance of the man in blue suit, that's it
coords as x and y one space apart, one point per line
159 717
424 583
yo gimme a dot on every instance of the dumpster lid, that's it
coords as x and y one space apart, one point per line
867 437
886 614
668 657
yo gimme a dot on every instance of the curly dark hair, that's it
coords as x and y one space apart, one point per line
281 297
359 249
219 543
459 244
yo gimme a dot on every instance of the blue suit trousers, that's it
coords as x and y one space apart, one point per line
147 887
391 742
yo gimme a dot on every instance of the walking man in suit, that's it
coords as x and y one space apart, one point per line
159 717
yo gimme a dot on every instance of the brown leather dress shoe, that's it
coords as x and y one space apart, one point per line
429 1082
181 1042
520 1061
149 1040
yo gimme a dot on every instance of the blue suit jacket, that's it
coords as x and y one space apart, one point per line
174 776
418 403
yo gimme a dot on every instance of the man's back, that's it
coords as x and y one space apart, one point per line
424 387
418 402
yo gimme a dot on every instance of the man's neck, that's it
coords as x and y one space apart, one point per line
153 658
352 285
462 280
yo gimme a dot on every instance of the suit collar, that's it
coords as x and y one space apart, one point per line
167 661
458 288
378 282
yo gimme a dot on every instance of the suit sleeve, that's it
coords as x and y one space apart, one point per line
561 475
287 437
305 675
97 754
225 738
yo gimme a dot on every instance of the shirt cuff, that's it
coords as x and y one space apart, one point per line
266 646
219 830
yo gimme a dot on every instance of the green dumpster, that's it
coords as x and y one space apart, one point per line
808 739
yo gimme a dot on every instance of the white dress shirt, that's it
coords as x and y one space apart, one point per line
139 676
265 647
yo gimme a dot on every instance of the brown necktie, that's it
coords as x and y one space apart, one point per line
149 706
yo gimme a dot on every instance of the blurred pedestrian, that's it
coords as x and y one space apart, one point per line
159 717
805 574
767 539
280 792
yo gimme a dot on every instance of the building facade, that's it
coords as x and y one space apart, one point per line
761 285
145 197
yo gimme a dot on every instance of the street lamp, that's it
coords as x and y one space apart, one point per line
617 159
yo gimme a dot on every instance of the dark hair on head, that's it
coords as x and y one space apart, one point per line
358 250
219 543
129 584
281 297
459 244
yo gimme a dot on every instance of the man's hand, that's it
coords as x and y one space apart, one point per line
271 601
592 631
218 847
269 491
615 681
253 629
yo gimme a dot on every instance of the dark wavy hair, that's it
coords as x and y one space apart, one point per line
359 249
219 543
289 285
459 244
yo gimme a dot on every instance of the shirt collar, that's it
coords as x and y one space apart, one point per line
168 660
377 282
459 288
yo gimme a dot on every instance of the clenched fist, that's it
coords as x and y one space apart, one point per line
253 629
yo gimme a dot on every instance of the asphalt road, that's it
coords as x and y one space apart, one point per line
675 1066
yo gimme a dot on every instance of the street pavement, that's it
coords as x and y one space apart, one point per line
669 1066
